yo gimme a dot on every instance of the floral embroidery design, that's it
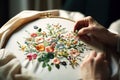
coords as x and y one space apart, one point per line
54 47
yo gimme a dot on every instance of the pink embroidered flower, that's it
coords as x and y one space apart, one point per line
49 49
53 45
39 39
74 52
31 56
34 56
56 61
33 35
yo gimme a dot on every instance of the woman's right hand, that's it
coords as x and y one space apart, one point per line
94 34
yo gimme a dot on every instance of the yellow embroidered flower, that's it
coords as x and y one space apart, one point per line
23 47
60 53
43 33
68 43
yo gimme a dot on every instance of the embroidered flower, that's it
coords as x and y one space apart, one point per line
33 35
74 53
56 61
23 47
49 49
31 56
43 33
40 47
39 39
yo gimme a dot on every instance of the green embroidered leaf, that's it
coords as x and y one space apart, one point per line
39 30
57 66
40 59
44 65
50 56
64 63
49 67
46 60
52 63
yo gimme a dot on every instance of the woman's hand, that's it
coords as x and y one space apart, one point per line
94 34
94 67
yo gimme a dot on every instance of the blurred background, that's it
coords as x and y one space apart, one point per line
104 11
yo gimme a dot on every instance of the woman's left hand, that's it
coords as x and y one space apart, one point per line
94 67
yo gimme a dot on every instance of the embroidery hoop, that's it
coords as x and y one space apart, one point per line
58 72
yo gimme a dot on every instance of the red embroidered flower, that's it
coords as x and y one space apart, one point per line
31 56
33 35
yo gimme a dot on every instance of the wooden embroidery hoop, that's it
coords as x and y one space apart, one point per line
7 29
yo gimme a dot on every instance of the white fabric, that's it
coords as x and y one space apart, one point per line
10 66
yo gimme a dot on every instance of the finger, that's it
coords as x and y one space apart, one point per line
86 57
85 38
84 22
90 19
100 57
80 24
90 57
92 54
84 61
